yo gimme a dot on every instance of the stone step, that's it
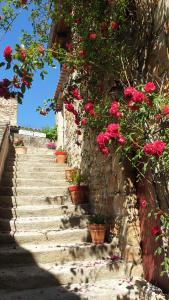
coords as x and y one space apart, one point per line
35 190
51 275
43 210
12 201
75 235
29 158
35 168
35 182
33 156
43 223
28 164
54 253
58 174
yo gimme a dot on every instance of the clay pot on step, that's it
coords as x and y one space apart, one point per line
79 194
61 157
97 232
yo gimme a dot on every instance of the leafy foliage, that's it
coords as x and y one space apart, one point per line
51 133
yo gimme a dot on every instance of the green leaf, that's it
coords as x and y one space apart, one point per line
2 64
23 88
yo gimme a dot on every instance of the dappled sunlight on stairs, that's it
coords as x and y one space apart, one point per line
45 250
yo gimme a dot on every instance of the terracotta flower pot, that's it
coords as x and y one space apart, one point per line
78 194
61 157
97 232
20 150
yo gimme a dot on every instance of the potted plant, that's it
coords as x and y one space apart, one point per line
19 147
70 173
78 191
61 156
97 228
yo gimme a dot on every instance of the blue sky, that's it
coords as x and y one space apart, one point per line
40 90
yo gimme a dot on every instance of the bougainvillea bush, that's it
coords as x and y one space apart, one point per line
99 44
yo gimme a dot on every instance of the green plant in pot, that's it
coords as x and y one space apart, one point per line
61 156
97 228
69 173
19 147
78 191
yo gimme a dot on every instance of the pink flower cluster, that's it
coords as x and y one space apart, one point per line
89 108
114 110
149 87
155 148
69 107
112 132
156 230
7 53
136 97
165 110
75 94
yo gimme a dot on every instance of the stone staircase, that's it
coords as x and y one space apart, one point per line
45 251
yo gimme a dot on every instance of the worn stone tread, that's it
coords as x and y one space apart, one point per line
62 237
112 289
52 252
51 274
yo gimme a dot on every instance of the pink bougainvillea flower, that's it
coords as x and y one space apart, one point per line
165 110
92 36
114 110
113 130
92 113
114 25
121 140
128 91
7 53
69 107
149 87
88 106
84 121
102 139
137 97
156 230
143 203
155 148
105 151
75 94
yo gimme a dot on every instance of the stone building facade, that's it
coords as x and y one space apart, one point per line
8 111
112 184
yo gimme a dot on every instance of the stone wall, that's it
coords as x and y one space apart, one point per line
110 179
8 110
112 192
156 60
72 142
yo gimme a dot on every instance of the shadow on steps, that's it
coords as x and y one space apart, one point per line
26 280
